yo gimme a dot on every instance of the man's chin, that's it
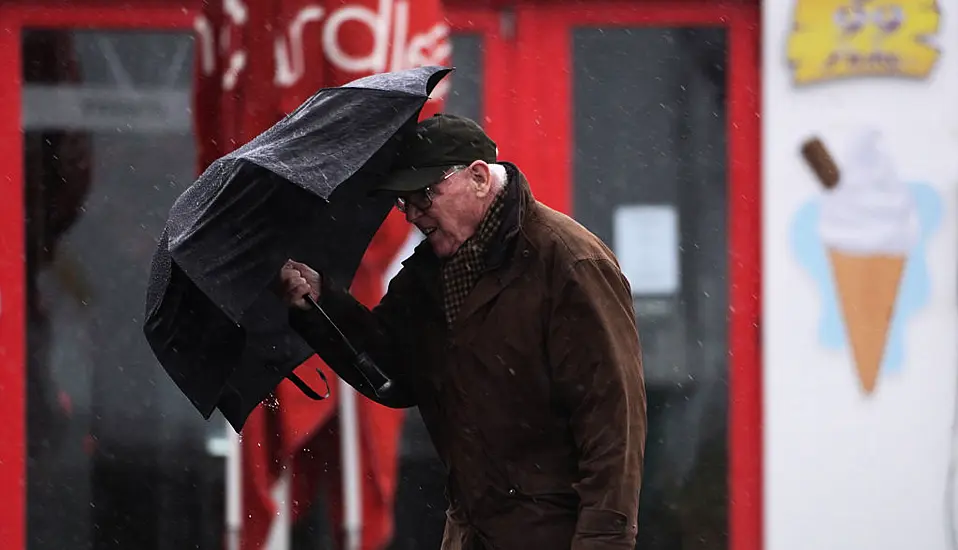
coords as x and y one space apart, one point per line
443 253
443 248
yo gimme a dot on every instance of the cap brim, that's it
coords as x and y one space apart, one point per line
409 180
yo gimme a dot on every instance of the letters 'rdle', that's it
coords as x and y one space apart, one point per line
392 48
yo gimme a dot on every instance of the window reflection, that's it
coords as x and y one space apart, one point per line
57 183
116 456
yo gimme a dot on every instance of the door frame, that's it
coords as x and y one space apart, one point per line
534 141
545 152
13 19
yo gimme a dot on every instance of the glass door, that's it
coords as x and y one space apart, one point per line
98 143
642 124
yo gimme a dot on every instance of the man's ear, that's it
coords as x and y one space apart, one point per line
481 176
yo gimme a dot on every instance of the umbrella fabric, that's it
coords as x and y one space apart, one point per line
222 233
298 190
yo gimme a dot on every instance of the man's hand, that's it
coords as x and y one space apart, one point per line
296 281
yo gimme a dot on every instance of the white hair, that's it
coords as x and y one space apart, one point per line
499 176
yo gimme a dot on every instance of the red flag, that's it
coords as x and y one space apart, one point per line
256 61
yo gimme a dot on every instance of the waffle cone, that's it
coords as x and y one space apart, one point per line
867 289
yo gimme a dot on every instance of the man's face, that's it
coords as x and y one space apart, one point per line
449 212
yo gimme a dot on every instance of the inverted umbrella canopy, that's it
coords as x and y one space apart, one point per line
299 190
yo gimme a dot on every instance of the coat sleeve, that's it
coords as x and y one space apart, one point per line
595 355
376 332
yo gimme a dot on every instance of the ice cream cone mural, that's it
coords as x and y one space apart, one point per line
863 240
868 290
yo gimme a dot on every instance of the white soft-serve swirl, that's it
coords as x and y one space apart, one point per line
870 211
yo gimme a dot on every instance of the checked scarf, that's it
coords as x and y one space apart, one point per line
461 272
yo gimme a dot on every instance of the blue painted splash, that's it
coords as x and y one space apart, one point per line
915 290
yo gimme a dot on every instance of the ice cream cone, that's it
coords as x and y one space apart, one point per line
867 290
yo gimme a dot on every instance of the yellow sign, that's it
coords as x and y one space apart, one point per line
834 39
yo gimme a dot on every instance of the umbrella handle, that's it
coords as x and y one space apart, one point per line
382 383
370 371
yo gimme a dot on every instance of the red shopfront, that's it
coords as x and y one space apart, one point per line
639 118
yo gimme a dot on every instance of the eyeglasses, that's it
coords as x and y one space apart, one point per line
423 198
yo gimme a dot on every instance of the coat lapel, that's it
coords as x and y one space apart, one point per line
492 283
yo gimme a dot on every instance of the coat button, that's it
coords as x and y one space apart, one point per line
512 491
525 253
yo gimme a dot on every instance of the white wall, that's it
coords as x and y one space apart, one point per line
847 469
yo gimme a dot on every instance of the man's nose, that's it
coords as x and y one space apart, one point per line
412 213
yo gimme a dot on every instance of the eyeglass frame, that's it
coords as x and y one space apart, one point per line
428 193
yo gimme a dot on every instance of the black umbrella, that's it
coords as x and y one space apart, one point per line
299 190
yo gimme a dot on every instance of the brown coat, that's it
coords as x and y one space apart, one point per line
534 398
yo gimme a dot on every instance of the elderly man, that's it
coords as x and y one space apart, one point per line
512 328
